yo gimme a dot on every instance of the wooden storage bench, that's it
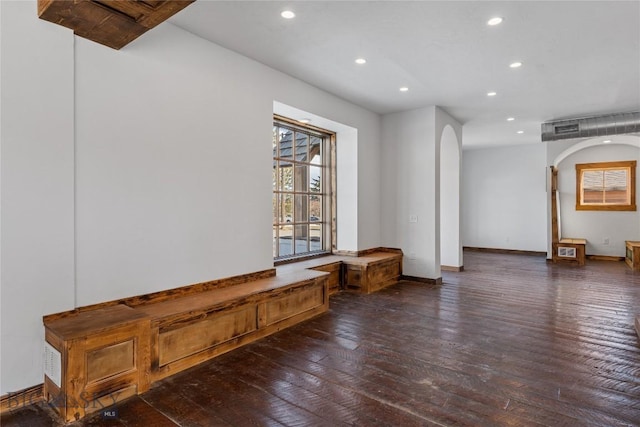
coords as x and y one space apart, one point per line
113 350
632 254
101 354
572 251
189 330
372 272
365 273
94 359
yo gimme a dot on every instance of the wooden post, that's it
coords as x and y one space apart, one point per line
577 247
554 214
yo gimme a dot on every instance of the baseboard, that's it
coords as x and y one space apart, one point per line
21 399
436 282
599 258
605 258
450 268
504 251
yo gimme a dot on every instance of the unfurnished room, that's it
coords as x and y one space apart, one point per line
443 232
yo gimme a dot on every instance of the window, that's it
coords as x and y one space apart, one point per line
609 186
302 189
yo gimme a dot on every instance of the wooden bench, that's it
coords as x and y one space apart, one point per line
103 353
372 272
366 273
632 254
95 357
189 330
572 251
564 250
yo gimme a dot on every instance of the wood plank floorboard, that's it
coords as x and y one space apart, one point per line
510 341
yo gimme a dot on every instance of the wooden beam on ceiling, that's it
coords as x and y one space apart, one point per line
113 23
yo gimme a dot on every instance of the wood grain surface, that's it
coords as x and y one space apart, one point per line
511 341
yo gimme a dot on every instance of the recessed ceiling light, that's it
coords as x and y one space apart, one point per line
492 93
304 120
494 21
520 131
361 61
510 119
606 141
404 89
287 14
516 64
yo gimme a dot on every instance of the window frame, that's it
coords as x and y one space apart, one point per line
629 166
328 193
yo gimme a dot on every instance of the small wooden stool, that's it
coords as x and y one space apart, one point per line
632 257
570 251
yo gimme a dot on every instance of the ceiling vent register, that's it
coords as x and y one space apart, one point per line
611 124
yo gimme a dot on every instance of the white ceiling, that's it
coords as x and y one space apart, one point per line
581 58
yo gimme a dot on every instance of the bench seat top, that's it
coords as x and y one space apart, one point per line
93 321
569 241
214 297
368 259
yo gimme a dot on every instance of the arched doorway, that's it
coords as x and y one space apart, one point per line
605 232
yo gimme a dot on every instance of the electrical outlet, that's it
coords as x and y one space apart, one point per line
605 240
413 218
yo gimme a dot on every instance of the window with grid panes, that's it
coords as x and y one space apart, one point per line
301 191
606 186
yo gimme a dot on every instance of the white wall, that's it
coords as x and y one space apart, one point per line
449 152
504 198
411 186
160 127
37 187
171 182
450 243
595 226
410 179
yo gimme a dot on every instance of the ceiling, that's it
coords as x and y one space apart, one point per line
580 58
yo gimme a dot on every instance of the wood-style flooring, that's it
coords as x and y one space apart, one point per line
511 341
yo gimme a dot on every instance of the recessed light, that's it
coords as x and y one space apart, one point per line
520 131
606 141
287 14
361 61
404 89
510 119
494 21
516 64
304 120
492 93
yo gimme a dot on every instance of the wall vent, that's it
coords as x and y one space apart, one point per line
566 252
52 364
612 124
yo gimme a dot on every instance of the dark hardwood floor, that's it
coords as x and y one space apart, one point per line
511 341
